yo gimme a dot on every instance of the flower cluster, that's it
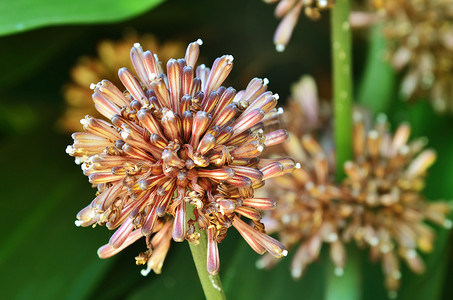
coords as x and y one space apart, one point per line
384 184
378 205
289 11
111 55
174 142
420 38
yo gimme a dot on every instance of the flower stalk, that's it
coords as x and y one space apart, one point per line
342 82
212 285
343 98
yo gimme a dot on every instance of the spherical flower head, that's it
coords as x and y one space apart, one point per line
420 44
111 55
384 184
289 11
175 140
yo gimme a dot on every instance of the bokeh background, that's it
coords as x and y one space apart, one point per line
43 255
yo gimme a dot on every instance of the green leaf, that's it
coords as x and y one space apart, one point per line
243 280
24 15
43 255
377 87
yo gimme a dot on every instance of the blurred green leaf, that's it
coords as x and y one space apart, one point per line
377 87
348 286
243 280
43 255
24 15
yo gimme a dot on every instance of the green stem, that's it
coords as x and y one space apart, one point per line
347 285
212 286
342 83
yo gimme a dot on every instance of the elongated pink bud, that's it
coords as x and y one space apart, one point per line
212 260
121 234
179 226
255 237
107 251
226 115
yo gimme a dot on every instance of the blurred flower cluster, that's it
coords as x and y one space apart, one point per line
378 206
419 36
289 11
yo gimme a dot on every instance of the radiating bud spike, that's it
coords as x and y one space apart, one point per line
136 55
121 234
260 203
149 122
187 81
207 143
199 126
247 121
226 115
107 108
210 102
192 52
276 137
160 89
250 150
272 170
132 85
217 174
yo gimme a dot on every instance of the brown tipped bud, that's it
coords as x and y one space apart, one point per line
192 52
174 76
206 143
200 124
187 119
217 174
157 141
149 121
247 121
248 212
107 108
260 203
240 181
187 82
132 85
160 89
252 173
210 102
225 99
226 115
172 125
276 137
272 170
250 150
